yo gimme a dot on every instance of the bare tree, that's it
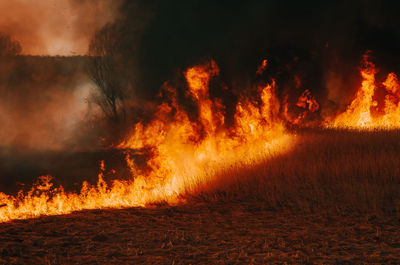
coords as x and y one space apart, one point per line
105 71
8 46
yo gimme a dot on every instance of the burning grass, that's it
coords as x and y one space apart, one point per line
332 171
332 199
180 152
254 192
202 154
366 111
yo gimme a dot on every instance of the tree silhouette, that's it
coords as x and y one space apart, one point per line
104 70
9 47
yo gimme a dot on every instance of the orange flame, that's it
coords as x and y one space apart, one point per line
391 117
306 102
262 67
358 114
184 153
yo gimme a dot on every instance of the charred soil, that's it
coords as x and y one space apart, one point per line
206 234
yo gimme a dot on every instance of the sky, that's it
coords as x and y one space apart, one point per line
55 27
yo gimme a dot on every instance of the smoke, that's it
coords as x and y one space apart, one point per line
43 104
321 42
49 27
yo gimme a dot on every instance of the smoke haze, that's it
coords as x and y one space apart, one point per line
49 27
43 102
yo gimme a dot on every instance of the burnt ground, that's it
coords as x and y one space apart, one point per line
201 234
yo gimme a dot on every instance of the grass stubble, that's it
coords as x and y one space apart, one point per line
333 199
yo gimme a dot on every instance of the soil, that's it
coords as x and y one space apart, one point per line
218 233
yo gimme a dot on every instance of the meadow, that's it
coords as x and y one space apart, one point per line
333 199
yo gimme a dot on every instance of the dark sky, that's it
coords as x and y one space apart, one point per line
308 38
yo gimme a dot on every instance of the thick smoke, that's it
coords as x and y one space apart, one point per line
48 27
319 43
43 103
46 120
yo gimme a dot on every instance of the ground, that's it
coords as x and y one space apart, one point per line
333 199
201 234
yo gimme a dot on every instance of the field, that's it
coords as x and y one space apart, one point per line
328 170
333 199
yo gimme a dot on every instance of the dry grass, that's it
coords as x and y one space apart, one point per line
333 200
329 170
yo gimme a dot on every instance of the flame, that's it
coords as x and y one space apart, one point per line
306 102
360 115
183 152
262 67
391 117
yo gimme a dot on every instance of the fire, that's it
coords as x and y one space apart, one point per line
358 113
262 67
361 113
183 152
391 118
306 102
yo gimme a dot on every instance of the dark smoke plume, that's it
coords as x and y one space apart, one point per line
319 43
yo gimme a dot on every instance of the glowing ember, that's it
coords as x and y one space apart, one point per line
184 153
359 114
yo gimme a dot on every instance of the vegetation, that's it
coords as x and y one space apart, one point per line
328 170
333 199
104 70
